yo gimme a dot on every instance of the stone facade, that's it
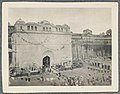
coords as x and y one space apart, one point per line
95 50
34 41
90 45
31 42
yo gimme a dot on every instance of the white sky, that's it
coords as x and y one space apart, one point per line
98 20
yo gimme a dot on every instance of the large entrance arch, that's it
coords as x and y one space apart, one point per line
47 59
46 62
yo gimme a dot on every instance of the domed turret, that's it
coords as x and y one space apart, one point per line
45 22
66 26
20 25
20 21
9 24
87 32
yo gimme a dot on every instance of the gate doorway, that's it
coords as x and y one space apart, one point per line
46 62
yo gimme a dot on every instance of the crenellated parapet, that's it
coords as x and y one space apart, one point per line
43 26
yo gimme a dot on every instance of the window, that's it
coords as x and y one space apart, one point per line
28 27
98 70
56 29
49 28
43 28
35 28
61 29
105 66
95 64
102 66
46 28
98 64
31 27
108 67
20 27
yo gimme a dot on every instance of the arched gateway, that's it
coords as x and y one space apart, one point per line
46 62
47 59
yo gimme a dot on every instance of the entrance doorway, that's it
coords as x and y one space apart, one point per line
46 62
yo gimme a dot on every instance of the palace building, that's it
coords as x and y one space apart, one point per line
95 50
46 44
42 43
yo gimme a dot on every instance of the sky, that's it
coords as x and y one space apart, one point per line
96 19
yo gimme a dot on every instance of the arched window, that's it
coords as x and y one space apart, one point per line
98 64
95 64
46 28
43 28
31 27
28 27
56 29
61 29
35 28
108 67
21 27
49 28
102 66
105 66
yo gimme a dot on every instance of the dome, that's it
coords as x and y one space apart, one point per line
32 23
20 21
45 22
58 26
66 26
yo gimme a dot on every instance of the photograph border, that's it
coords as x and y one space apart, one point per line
26 89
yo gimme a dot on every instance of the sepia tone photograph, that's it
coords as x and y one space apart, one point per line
60 46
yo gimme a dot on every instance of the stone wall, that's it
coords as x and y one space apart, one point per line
32 47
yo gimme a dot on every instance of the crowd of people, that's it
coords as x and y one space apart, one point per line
83 81
64 80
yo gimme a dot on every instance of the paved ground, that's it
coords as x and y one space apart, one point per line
35 80
52 79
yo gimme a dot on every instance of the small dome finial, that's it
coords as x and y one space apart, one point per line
19 21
